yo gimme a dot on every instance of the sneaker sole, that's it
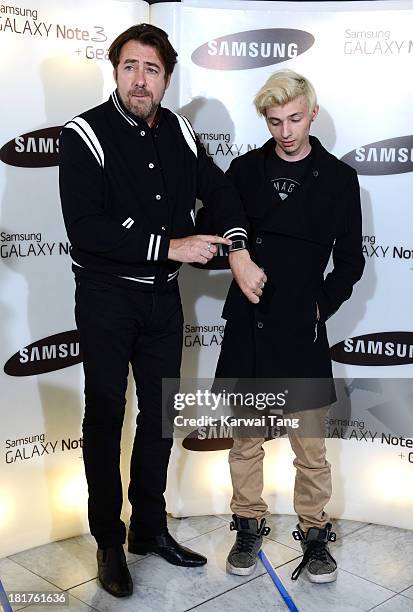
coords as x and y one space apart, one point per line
322 578
240 571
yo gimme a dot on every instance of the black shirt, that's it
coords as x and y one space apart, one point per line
285 176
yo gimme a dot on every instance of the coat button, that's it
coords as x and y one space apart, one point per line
260 325
163 228
151 165
315 173
158 197
143 133
259 240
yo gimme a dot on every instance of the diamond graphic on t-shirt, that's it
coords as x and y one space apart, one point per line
283 195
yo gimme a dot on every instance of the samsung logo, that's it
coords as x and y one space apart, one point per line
392 156
379 349
210 438
219 437
252 49
46 355
38 149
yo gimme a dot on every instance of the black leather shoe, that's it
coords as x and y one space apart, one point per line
113 573
165 546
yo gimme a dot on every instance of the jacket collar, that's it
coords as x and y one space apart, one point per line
117 103
319 153
261 188
295 217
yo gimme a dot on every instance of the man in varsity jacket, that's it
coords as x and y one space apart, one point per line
130 172
303 205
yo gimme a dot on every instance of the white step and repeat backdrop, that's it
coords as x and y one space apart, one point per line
54 65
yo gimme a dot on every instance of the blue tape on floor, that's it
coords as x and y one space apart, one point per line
4 602
283 591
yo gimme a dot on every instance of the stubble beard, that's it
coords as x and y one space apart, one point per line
141 107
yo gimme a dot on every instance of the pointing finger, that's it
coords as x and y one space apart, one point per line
216 240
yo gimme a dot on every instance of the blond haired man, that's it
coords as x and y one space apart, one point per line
303 205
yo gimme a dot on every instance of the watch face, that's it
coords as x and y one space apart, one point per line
237 245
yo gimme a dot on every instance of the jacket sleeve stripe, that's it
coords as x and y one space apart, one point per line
149 255
158 244
88 135
236 235
83 136
235 231
154 246
188 134
189 126
128 223
92 136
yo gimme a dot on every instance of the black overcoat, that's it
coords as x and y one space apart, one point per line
292 240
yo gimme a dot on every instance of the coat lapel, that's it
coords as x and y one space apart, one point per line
307 214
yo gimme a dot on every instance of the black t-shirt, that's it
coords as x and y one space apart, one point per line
286 176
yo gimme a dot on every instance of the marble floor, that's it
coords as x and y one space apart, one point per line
375 572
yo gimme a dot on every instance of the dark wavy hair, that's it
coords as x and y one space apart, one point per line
147 35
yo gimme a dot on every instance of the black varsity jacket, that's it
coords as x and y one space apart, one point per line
127 189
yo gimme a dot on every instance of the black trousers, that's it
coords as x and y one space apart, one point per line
119 325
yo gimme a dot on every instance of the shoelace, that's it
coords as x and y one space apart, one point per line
314 550
245 542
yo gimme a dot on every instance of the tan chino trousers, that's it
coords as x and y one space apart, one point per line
312 489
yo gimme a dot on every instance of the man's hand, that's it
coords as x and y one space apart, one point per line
195 249
250 278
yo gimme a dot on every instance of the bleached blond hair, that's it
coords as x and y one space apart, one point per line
284 86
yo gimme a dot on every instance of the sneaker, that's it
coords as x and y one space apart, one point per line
317 559
242 558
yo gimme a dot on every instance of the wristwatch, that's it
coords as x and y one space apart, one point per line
237 245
